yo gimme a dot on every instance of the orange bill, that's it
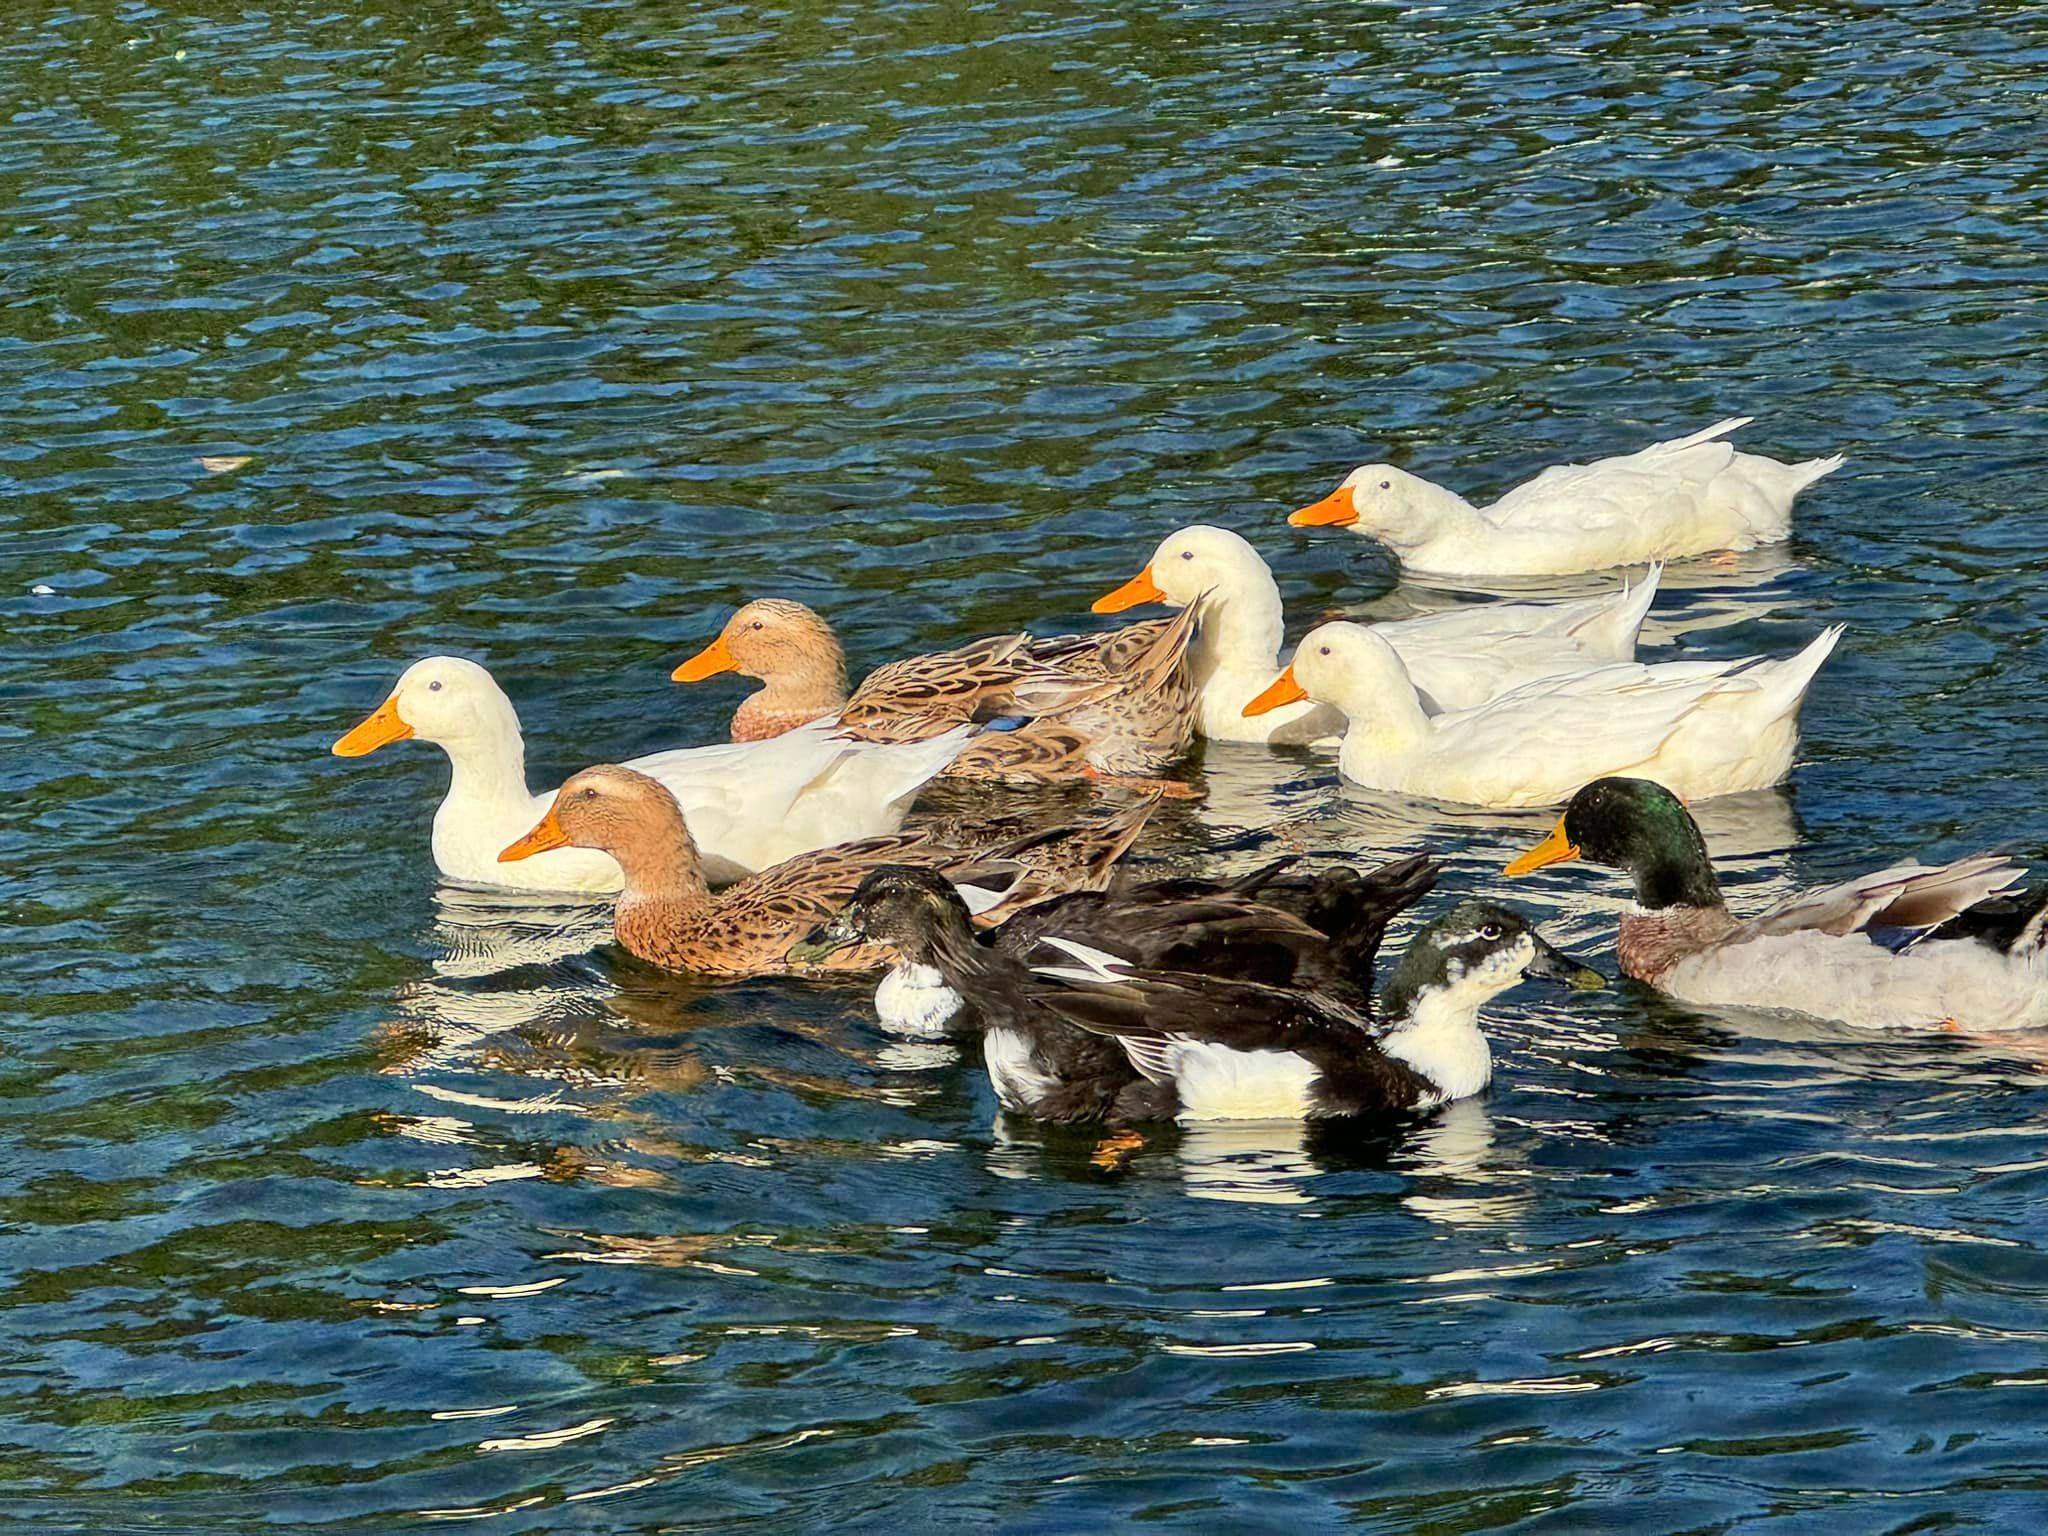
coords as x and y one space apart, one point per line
1141 588
1333 511
1282 690
715 658
548 834
1554 849
382 728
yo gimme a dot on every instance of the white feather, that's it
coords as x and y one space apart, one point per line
915 1000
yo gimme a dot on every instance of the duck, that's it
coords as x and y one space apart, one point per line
751 805
668 916
1702 728
1118 705
1914 946
1242 1050
1689 496
1046 1069
1458 658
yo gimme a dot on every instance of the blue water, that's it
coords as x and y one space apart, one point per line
551 331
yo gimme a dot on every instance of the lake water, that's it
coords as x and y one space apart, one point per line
549 331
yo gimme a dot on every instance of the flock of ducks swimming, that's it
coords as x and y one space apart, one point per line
797 848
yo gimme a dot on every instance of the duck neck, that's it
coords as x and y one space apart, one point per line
664 881
1436 1032
950 946
1240 628
1390 718
489 769
1676 877
806 690
1431 513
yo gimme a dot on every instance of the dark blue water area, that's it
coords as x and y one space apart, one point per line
546 333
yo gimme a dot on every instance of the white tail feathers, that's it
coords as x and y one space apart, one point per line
1098 968
1611 633
1805 473
1719 429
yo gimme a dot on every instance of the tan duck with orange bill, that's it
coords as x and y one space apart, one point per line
1115 705
669 916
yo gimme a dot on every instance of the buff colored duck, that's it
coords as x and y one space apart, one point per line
751 805
1116 705
668 915
1690 496
1457 659
1908 947
1702 728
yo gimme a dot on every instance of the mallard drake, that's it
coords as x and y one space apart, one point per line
1458 658
1119 704
1911 946
1703 728
668 916
1052 1070
1240 1050
751 806
1690 496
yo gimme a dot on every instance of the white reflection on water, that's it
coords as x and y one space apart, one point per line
481 933
1247 1162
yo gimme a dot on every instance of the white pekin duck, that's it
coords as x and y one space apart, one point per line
1690 496
1456 659
749 805
1698 728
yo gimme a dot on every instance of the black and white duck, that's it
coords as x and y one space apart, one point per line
1242 1050
1051 1069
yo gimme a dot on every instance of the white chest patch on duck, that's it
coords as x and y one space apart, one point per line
1217 1083
1013 1069
915 1000
1441 1038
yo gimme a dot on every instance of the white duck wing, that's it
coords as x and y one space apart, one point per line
753 804
1604 626
1893 906
1601 722
1670 476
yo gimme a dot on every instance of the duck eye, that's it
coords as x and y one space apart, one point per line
757 623
1324 649
590 792
1187 554
1490 931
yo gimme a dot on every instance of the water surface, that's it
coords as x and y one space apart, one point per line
548 332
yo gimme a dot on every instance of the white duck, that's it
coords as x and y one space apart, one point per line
1699 728
1690 496
1457 658
749 804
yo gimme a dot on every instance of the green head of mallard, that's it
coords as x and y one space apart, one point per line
1637 826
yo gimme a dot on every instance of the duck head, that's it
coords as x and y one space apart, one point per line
1475 952
771 638
1346 665
616 811
443 699
912 911
1195 562
1638 826
1388 503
